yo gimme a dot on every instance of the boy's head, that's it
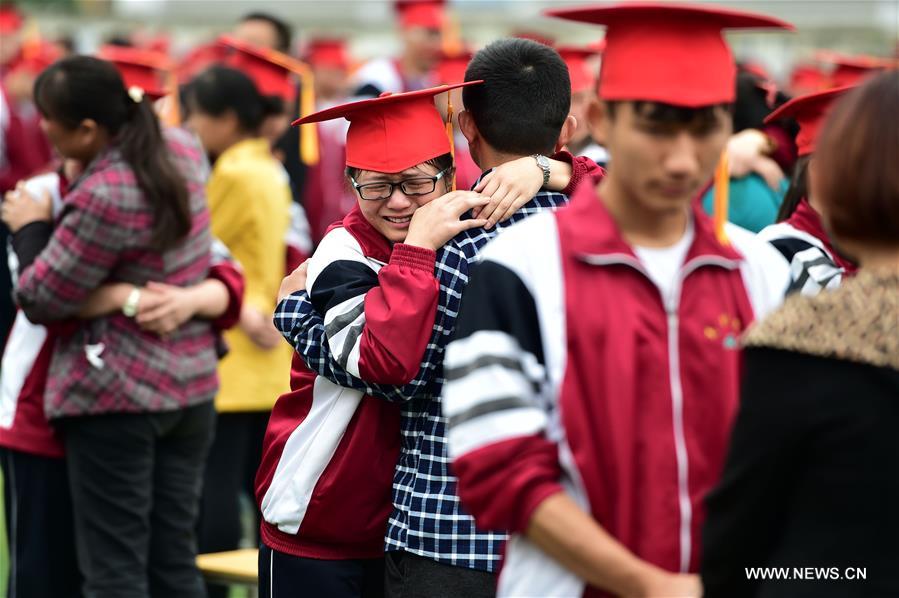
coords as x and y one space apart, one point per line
662 155
667 87
421 30
264 30
522 108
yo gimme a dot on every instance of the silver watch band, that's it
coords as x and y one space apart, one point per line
543 163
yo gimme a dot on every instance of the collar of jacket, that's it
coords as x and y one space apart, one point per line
806 219
856 322
593 233
373 243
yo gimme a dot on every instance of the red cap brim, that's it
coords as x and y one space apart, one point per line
393 132
725 18
347 110
809 111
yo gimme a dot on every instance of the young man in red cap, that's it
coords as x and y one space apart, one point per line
421 30
264 30
594 370
815 264
326 197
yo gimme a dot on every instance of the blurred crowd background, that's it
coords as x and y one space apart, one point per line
858 26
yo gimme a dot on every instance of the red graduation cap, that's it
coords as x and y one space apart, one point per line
583 75
142 68
271 72
805 79
269 69
10 19
36 54
393 132
850 70
200 58
668 52
327 52
809 111
420 13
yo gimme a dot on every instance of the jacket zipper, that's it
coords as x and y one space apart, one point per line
671 306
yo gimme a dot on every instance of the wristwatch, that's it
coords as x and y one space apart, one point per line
130 306
543 163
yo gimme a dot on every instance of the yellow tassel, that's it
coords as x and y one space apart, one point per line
172 110
308 133
722 184
449 131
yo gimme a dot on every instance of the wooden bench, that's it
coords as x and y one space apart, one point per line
235 567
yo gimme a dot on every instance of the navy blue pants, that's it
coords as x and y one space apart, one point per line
286 576
39 527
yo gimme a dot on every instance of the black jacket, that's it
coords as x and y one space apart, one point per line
811 483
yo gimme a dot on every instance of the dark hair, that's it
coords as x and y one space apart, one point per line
855 163
82 87
283 32
524 100
660 112
797 191
442 162
220 88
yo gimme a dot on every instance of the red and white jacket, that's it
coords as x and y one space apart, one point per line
329 453
569 372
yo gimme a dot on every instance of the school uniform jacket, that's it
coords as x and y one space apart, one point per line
814 264
329 453
569 372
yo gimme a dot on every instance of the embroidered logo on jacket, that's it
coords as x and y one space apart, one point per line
727 329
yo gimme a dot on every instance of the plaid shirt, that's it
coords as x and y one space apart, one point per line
427 518
103 235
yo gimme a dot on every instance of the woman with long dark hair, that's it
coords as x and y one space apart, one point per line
809 488
815 262
135 409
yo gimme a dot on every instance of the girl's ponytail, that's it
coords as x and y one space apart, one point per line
144 148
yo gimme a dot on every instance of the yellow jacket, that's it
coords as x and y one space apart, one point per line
249 204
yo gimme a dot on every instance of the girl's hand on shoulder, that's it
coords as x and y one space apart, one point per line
436 222
21 207
509 186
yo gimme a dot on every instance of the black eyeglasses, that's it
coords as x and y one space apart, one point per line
383 189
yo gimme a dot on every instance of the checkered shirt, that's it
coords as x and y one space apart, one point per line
427 518
107 364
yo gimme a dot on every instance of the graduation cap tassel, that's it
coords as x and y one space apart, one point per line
449 131
308 135
172 109
722 187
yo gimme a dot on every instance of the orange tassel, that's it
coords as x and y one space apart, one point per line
172 110
309 133
722 187
449 130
